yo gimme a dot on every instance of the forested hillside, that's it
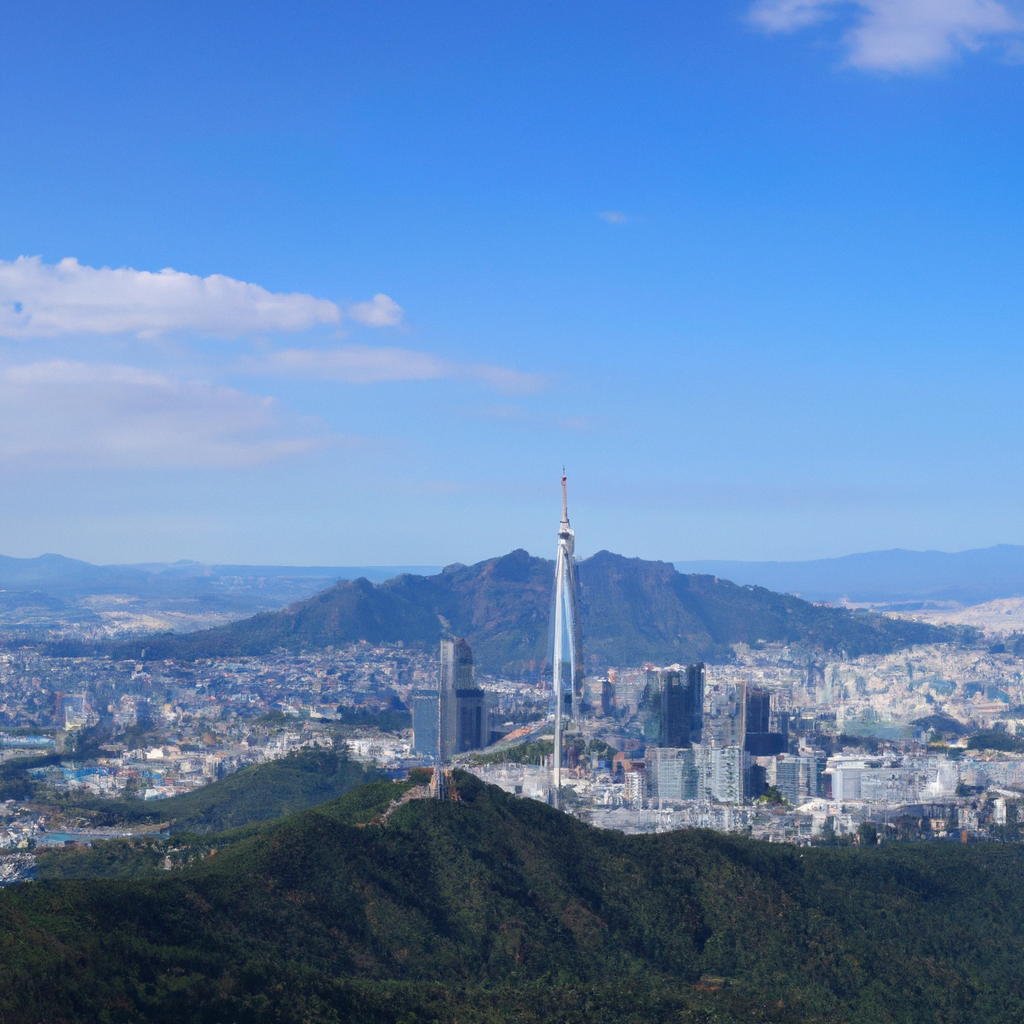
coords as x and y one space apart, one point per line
632 611
257 793
500 909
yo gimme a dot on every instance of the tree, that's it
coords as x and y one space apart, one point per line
867 833
828 832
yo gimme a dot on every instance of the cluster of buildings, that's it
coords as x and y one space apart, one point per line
459 715
43 692
914 794
835 742
155 772
17 831
705 742
781 742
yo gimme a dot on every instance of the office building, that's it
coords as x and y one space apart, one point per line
696 676
463 706
759 739
456 674
608 705
471 732
843 777
759 711
673 706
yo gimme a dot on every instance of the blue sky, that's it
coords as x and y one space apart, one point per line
751 271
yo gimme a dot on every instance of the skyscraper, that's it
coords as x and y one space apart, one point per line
695 679
456 675
673 706
608 703
471 719
462 714
424 721
726 720
567 653
759 740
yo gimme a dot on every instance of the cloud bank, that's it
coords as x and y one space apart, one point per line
75 414
898 35
60 412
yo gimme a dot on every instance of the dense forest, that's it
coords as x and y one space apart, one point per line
495 909
632 611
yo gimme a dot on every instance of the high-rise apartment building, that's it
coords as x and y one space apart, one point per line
724 772
673 774
797 777
635 788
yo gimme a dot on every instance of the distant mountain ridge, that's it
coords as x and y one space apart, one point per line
632 611
60 576
52 590
885 577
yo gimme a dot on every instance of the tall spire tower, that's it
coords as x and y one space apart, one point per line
567 654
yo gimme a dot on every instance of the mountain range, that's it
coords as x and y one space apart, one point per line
54 592
895 578
632 611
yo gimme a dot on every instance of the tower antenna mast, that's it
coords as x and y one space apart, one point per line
566 630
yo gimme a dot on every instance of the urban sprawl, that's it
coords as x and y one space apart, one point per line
781 743
778 744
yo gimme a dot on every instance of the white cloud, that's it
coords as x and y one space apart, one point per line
353 364
380 311
789 15
500 377
614 217
898 35
358 364
45 300
78 414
